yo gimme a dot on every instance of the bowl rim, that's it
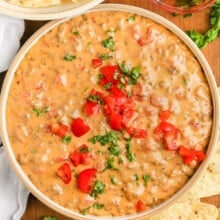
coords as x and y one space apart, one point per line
47 13
180 10
156 18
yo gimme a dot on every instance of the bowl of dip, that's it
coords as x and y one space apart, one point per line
45 10
183 7
112 114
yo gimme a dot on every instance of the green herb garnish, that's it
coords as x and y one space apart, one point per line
109 138
76 33
109 43
131 18
146 179
85 210
66 139
40 111
133 74
201 40
129 155
69 57
112 179
110 164
114 150
105 56
98 205
95 98
136 178
98 188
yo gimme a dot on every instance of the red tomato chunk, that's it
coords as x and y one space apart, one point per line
79 127
85 178
65 173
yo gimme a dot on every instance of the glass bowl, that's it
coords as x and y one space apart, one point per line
183 6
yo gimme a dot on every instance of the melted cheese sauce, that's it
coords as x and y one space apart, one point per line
48 88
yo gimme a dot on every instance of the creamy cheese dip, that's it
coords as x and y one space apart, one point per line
109 114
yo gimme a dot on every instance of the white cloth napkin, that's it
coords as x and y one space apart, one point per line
11 30
13 194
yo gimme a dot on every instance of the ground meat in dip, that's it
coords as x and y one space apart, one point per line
109 114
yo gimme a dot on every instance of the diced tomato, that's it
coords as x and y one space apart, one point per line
108 72
164 115
140 206
199 155
189 155
164 127
75 158
79 127
85 178
59 129
137 132
109 106
91 108
65 173
96 62
86 158
115 121
169 139
81 156
185 152
116 91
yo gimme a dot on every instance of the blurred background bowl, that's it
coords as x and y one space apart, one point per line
66 9
183 6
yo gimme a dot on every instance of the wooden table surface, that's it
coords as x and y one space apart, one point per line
199 21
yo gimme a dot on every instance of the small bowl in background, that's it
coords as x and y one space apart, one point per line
179 7
66 8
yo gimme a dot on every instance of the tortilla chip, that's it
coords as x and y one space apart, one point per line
188 211
218 214
34 3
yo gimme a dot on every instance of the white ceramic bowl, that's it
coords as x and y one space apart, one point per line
106 7
63 10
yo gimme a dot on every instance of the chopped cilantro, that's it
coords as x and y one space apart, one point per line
40 111
110 164
85 211
95 98
76 33
146 179
136 178
109 138
112 179
114 150
105 56
107 86
69 57
133 74
109 43
66 139
98 188
129 155
98 205
131 18
84 149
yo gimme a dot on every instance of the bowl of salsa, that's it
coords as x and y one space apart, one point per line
112 114
183 6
